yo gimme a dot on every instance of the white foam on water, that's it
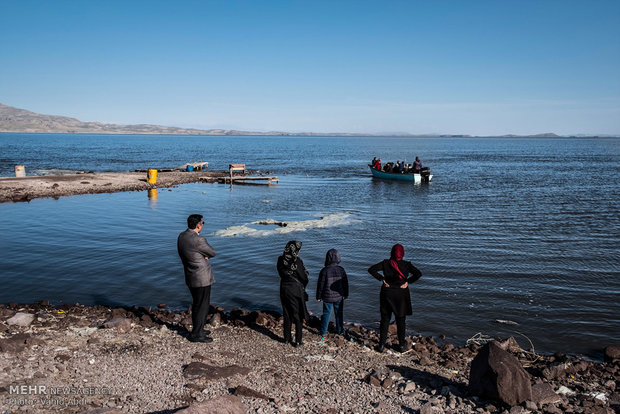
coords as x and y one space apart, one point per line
331 220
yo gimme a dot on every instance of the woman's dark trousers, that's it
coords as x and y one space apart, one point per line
200 309
385 324
291 316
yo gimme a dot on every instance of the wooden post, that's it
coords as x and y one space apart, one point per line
235 167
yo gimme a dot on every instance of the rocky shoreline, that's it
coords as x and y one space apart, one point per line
97 359
54 186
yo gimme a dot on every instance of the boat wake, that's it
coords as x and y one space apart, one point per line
284 227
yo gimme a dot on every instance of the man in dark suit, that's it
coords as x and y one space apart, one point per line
195 253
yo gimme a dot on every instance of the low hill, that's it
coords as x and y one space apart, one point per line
20 120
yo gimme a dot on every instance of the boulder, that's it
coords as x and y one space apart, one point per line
511 345
339 341
374 379
227 404
558 371
387 383
15 344
6 313
215 320
543 394
122 324
552 409
21 319
147 321
611 353
497 374
409 387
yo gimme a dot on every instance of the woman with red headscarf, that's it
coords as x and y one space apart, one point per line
395 297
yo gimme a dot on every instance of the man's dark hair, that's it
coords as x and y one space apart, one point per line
193 220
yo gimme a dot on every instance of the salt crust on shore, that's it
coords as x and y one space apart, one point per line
142 363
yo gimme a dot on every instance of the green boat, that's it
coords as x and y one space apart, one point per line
424 177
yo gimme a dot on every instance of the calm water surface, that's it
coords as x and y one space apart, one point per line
525 230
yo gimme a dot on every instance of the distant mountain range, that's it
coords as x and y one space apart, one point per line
20 120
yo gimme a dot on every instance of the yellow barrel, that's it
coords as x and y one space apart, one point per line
151 176
20 171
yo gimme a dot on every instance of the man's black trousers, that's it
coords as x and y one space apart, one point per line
200 309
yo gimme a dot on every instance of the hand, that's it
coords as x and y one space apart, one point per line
318 300
404 285
385 284
206 258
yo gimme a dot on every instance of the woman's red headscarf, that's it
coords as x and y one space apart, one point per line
397 254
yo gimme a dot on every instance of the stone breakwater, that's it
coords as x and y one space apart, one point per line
97 359
55 186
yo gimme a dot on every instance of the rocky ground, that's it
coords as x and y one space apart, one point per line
97 359
28 188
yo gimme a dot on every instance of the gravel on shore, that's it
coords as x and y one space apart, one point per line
55 186
96 359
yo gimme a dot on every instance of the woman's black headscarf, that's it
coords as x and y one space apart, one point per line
289 257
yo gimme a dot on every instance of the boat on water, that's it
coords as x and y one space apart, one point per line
425 175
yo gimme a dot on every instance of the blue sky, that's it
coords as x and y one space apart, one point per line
473 67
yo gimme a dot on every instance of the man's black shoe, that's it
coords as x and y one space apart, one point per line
380 348
205 339
297 344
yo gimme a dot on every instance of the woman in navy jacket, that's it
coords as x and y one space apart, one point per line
332 288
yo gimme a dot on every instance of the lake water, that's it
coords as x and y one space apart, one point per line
523 229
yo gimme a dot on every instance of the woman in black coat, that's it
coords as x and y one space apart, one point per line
293 281
394 297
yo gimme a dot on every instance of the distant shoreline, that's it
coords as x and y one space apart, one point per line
310 134
21 121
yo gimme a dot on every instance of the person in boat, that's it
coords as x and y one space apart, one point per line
398 167
377 165
417 165
373 162
388 167
395 274
293 282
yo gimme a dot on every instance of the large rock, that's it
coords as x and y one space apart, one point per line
497 374
511 345
16 343
122 324
21 319
228 404
543 394
612 353
209 372
558 371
